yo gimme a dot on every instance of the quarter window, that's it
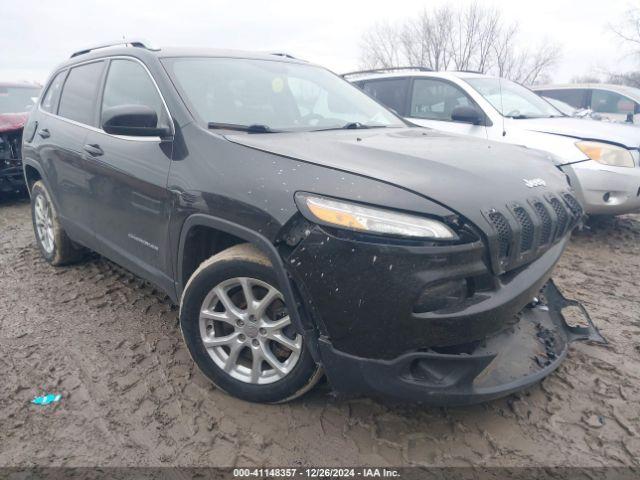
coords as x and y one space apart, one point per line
603 101
53 92
128 83
389 92
435 100
78 100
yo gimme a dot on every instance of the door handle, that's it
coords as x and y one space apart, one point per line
93 149
44 133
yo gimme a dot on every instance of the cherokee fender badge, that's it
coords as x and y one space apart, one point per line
534 182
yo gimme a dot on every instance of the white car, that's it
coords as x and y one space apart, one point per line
601 159
616 103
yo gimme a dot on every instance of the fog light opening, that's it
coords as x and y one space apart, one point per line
442 295
606 197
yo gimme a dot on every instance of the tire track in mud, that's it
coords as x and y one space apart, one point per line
111 344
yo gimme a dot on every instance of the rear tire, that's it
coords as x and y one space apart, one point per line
54 244
232 303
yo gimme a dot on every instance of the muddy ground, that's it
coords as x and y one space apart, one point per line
131 395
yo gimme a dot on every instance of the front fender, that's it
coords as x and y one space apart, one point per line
267 247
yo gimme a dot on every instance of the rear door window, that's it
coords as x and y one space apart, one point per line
79 94
435 99
390 92
572 96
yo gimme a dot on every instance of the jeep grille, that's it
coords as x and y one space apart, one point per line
524 231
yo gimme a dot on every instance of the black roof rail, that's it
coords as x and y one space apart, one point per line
138 43
467 71
389 69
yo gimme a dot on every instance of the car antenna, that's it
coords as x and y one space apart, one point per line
504 132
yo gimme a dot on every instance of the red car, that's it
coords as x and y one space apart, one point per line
16 100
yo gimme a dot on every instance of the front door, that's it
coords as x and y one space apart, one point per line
129 185
433 101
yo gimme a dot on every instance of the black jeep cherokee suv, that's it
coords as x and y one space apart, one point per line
303 228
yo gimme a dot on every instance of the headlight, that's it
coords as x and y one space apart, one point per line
374 220
606 154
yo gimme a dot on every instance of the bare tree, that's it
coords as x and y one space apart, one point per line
588 78
538 63
474 32
468 38
629 30
506 59
426 40
380 46
631 79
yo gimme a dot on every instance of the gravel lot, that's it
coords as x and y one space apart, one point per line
110 344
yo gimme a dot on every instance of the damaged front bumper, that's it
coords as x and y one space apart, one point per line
11 179
511 360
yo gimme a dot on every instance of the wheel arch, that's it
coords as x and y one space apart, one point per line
32 173
244 234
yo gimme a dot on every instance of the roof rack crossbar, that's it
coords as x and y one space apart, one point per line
138 43
389 69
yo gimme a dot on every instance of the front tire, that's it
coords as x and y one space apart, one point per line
54 244
238 331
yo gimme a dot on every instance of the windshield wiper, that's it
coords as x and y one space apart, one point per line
253 128
525 117
354 126
350 126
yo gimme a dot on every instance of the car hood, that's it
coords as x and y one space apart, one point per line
464 174
625 135
12 121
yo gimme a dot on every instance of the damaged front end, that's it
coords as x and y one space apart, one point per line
11 175
506 362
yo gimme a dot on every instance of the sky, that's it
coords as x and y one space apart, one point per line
37 35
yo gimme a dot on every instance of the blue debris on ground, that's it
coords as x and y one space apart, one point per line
46 399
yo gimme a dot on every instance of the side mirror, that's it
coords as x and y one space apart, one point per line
132 120
466 114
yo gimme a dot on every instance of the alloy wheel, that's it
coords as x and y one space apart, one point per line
44 223
246 329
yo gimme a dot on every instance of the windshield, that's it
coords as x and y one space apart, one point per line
513 100
273 96
18 99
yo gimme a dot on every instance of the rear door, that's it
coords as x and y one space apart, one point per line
129 185
432 102
59 141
